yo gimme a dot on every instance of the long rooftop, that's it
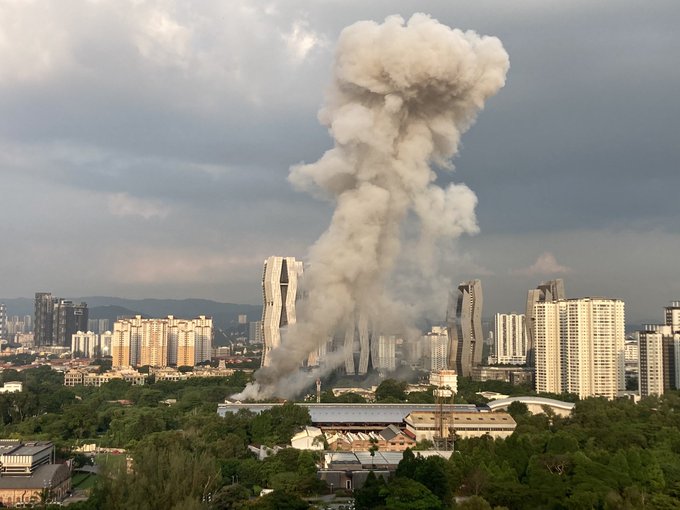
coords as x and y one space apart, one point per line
350 413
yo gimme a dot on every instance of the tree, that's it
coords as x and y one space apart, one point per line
474 503
280 500
434 475
391 388
518 410
229 497
405 494
167 469
373 449
370 495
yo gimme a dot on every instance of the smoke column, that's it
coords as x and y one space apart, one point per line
402 95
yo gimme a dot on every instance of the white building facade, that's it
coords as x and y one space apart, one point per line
385 359
279 291
511 338
437 342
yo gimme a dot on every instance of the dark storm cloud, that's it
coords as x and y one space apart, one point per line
165 132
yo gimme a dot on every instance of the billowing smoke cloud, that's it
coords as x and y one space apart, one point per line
402 95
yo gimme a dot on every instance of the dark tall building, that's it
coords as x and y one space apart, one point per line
546 292
57 319
3 322
465 328
42 328
68 319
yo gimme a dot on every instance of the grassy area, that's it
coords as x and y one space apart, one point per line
83 481
110 460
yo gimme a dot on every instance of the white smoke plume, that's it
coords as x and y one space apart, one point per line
402 95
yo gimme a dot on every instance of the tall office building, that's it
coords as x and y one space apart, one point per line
510 337
67 319
56 319
552 290
580 346
161 342
279 290
42 315
28 324
3 322
465 328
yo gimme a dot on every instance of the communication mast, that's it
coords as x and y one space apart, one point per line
445 382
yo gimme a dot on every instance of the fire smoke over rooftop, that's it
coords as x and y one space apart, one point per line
402 95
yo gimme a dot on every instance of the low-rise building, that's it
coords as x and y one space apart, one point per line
88 376
425 424
310 438
28 473
349 470
12 387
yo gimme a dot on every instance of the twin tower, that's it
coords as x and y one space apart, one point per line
280 290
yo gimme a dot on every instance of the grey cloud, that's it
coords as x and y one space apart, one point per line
582 137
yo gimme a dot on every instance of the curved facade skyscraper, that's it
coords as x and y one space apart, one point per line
465 328
279 291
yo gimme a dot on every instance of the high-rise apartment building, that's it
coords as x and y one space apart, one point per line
437 341
255 332
465 328
98 325
385 353
659 354
90 344
279 290
552 290
580 346
3 322
161 342
125 342
672 314
511 338
191 340
153 350
651 360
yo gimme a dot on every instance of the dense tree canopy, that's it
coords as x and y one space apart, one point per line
606 455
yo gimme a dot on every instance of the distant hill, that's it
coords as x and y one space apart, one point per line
19 306
111 312
225 315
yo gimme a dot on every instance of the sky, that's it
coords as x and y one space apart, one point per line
145 146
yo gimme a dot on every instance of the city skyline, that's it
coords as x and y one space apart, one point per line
154 131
